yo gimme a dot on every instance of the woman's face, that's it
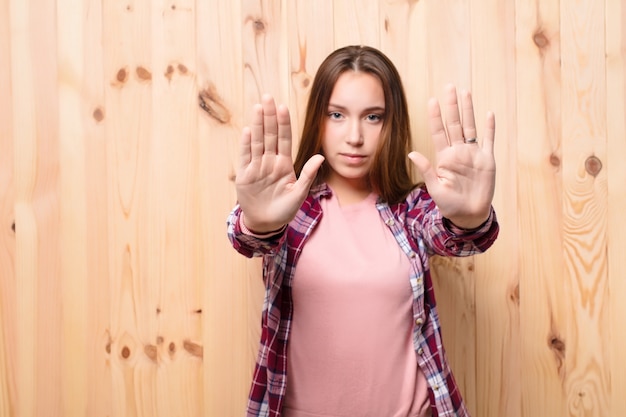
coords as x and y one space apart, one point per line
353 124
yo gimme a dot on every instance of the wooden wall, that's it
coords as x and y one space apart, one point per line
119 121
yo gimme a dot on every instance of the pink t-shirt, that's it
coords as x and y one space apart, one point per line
350 349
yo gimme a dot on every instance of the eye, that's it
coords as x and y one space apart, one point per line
334 115
374 118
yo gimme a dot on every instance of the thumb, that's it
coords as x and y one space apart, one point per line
423 166
309 172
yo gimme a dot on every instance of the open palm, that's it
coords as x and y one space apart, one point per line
268 191
462 180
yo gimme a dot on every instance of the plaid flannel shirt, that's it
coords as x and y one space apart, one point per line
420 231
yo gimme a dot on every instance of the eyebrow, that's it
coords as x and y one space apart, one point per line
366 110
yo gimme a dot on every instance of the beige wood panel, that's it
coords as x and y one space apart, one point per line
543 324
7 225
35 166
231 287
97 286
616 201
119 123
583 93
133 298
449 61
168 230
498 362
356 22
72 202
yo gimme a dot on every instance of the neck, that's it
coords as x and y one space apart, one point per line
348 193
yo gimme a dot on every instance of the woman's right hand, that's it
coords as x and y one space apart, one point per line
268 191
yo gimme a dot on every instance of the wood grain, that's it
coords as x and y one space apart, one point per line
72 226
231 285
449 61
583 95
543 320
119 126
498 353
7 223
616 199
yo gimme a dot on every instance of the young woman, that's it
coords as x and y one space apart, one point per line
349 324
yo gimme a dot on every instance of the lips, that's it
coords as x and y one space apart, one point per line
352 158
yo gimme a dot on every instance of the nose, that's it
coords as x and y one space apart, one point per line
355 134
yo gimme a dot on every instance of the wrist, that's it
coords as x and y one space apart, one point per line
259 231
470 223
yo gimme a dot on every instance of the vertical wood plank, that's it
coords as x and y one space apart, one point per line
449 61
232 286
583 71
169 227
24 157
72 208
8 372
264 51
542 307
498 362
127 58
98 275
616 192
356 23
36 206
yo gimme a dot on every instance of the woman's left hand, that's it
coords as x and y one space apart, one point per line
462 181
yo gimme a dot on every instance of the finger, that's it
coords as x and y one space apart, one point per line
284 131
244 148
435 121
467 109
309 172
270 124
424 167
453 118
490 132
256 133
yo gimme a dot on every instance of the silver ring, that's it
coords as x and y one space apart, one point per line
470 140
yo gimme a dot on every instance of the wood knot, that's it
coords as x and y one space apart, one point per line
259 26
169 72
593 165
122 75
125 352
143 73
540 39
557 345
160 340
182 69
555 161
514 295
193 348
13 226
151 352
210 101
172 348
98 114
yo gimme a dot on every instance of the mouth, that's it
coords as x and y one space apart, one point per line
353 158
